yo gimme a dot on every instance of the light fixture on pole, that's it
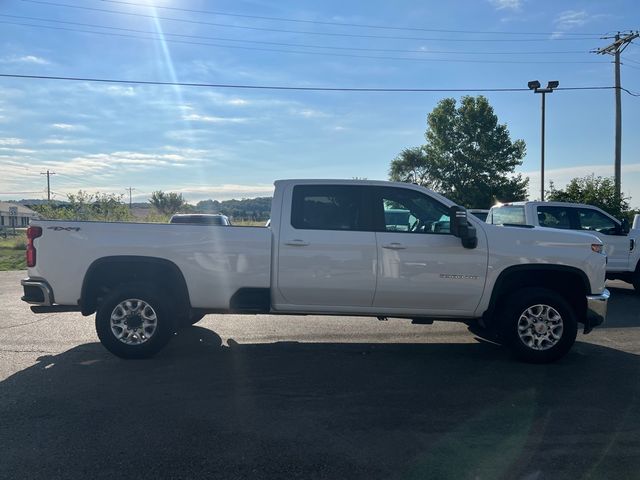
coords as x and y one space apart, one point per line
535 86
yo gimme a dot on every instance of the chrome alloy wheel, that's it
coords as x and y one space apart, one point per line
133 321
540 327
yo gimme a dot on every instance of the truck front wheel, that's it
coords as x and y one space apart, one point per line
134 321
539 325
635 279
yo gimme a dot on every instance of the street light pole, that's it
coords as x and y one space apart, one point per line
544 96
535 86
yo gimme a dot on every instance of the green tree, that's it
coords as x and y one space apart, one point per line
469 156
596 191
167 203
105 207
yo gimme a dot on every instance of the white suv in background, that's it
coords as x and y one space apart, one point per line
620 243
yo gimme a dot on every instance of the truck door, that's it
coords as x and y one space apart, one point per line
616 243
326 247
423 268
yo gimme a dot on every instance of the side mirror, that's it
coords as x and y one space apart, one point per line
625 226
461 228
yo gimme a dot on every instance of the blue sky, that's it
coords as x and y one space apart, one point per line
231 143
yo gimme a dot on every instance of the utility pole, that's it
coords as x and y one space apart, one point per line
130 189
48 174
620 42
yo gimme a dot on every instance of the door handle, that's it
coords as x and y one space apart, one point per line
394 246
297 243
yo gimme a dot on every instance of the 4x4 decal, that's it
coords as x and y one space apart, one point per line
65 229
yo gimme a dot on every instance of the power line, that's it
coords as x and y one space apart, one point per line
330 54
259 42
280 87
340 24
298 32
630 92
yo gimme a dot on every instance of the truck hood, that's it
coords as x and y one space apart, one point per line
541 236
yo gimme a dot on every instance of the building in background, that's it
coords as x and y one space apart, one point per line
15 215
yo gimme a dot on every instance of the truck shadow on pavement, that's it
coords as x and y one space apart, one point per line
201 409
623 309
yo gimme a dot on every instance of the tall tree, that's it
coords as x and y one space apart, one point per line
597 191
469 156
167 203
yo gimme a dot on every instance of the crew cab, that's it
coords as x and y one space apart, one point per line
620 243
334 247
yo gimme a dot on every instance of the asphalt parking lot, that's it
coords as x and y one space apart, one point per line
314 397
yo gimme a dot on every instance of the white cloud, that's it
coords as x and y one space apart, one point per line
506 4
570 19
11 141
61 140
238 101
195 117
26 59
309 113
113 90
224 191
16 150
66 126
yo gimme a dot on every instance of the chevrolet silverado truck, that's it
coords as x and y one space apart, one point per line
332 248
620 243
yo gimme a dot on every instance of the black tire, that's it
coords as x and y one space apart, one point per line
635 280
159 330
528 344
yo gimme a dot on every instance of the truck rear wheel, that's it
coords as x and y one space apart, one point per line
134 321
635 280
539 325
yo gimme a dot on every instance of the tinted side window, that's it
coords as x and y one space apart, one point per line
593 220
405 210
554 217
328 207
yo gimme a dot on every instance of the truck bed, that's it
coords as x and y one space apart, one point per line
215 261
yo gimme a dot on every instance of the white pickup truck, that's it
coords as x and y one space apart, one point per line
620 243
333 247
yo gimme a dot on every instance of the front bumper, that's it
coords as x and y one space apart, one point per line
596 310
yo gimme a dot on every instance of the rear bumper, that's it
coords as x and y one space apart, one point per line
37 292
596 310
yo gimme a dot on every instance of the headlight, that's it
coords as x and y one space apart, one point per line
596 247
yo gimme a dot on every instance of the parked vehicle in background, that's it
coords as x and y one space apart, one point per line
200 219
620 243
350 247
479 213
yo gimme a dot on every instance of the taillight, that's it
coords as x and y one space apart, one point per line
32 233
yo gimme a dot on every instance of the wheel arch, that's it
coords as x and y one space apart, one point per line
107 273
569 281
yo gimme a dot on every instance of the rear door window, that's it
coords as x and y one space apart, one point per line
329 207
